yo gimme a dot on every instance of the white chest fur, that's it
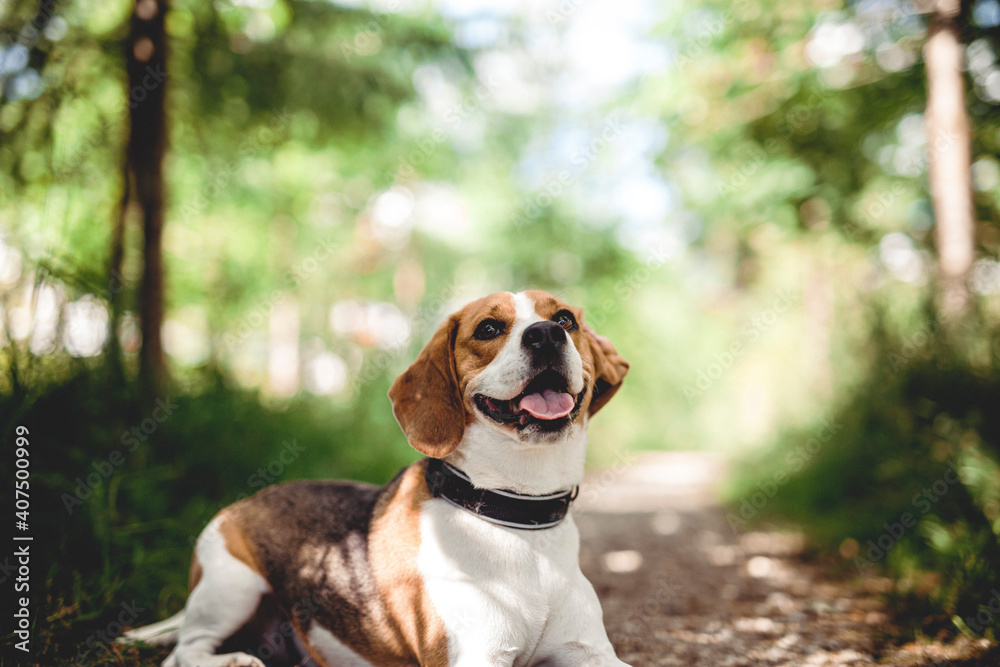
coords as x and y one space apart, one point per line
509 597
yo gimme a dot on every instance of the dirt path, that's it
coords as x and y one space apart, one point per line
679 587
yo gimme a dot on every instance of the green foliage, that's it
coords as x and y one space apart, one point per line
288 122
120 490
902 479
818 150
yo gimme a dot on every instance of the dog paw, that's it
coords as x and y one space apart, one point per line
237 660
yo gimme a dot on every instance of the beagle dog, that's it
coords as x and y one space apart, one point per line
468 558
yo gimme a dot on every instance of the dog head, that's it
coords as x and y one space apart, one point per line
523 365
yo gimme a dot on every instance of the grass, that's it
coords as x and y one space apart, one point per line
905 484
120 489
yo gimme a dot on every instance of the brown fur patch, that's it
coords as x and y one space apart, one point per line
425 398
471 355
428 399
394 543
546 305
310 541
236 542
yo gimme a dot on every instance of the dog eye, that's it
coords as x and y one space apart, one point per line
488 329
566 320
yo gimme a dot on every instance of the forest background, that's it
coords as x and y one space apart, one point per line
225 227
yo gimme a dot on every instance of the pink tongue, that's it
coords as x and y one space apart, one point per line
547 405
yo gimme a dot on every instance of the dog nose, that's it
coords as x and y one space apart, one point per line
543 338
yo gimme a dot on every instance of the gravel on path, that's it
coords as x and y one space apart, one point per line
680 586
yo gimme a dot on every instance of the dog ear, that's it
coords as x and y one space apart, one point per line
426 400
609 369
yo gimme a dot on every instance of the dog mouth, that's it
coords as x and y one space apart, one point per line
545 402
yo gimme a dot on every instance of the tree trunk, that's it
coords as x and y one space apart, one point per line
147 67
948 150
116 283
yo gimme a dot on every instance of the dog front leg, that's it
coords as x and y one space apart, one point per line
575 635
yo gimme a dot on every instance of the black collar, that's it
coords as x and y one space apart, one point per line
506 508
